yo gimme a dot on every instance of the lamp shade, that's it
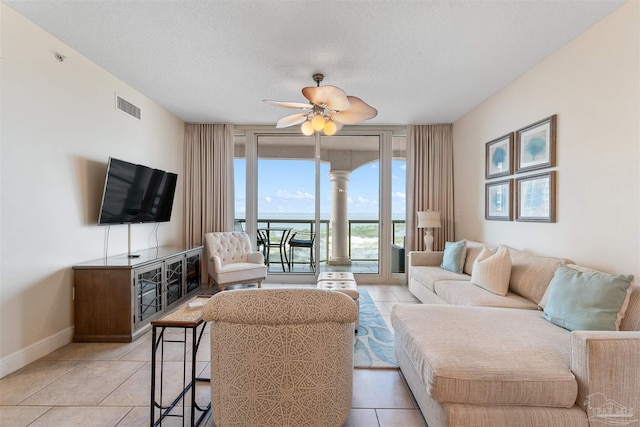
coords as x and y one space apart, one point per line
429 219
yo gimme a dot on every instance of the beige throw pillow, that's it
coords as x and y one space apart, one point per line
492 271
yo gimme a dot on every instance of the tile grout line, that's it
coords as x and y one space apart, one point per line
143 364
78 362
41 415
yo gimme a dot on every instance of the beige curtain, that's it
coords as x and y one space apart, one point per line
430 182
208 183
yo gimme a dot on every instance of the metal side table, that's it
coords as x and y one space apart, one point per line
188 319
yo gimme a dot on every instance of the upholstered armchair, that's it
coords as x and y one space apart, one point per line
281 357
230 259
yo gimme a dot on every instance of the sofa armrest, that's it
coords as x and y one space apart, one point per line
417 258
607 368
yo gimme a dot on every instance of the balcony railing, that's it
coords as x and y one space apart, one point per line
363 236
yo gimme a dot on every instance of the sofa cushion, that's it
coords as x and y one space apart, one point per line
487 356
428 275
464 293
587 300
631 319
473 250
492 271
531 274
454 256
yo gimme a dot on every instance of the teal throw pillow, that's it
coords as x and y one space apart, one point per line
454 255
585 301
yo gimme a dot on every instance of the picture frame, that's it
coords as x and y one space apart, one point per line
498 200
499 156
536 145
536 198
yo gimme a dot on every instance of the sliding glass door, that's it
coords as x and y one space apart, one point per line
350 201
286 202
398 204
322 203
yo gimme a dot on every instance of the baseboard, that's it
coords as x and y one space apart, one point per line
35 351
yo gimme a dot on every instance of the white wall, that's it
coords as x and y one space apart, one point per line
59 126
592 84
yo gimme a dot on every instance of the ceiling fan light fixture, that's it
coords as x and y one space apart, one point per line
307 128
328 110
330 128
318 122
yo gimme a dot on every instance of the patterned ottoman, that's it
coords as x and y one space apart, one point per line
348 287
336 276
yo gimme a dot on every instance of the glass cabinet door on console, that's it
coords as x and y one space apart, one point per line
173 275
148 291
192 272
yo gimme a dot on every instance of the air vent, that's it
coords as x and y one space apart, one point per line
127 107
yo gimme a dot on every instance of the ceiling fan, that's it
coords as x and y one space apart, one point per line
329 109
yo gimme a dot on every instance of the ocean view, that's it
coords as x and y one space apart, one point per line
323 216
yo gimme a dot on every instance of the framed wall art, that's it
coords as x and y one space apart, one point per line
498 205
498 157
536 145
536 198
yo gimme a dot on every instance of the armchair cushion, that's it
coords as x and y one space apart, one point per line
239 272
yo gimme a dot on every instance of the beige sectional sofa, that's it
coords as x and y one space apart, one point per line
474 358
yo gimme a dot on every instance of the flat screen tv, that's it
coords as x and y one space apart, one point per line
135 194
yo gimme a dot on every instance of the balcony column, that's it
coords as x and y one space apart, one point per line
339 218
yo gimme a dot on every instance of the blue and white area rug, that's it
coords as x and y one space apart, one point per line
374 341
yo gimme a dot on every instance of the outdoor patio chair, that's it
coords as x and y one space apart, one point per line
305 240
275 238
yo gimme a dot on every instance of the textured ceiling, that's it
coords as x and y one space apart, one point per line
415 61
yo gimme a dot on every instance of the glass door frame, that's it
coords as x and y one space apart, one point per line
251 134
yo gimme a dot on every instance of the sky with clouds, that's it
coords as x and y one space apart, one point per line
287 187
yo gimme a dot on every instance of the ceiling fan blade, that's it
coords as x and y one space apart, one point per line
291 120
331 97
358 112
285 104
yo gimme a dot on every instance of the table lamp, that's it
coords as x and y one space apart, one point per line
428 220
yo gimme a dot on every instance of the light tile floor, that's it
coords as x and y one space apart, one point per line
108 384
